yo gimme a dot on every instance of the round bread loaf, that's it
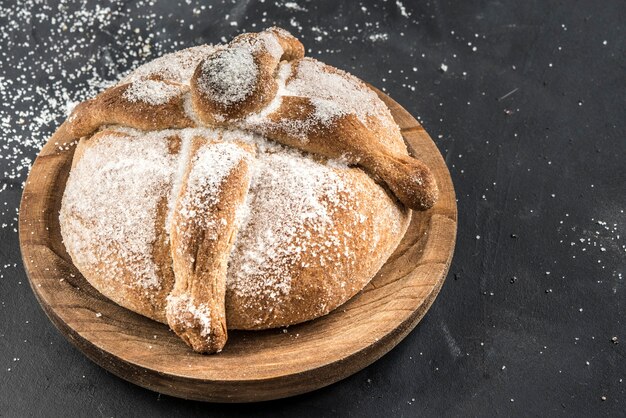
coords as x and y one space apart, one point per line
238 186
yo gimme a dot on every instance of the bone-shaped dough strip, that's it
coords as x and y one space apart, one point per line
346 137
203 228
114 107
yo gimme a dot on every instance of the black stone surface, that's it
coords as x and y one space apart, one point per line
530 321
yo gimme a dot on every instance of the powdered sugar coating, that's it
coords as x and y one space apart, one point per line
209 168
271 44
287 196
154 92
335 92
109 208
229 76
176 66
189 313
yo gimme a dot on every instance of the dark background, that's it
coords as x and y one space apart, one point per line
530 119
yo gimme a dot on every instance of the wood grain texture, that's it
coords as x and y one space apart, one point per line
254 366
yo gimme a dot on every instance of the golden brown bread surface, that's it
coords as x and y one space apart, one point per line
236 187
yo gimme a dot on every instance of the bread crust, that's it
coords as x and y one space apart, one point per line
270 207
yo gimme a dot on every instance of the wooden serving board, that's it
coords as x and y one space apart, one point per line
255 365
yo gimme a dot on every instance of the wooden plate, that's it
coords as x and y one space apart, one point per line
254 366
